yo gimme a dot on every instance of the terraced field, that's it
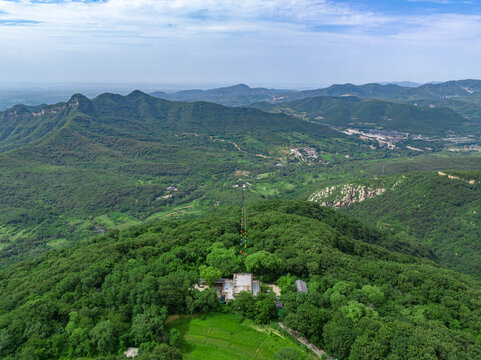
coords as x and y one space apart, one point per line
225 337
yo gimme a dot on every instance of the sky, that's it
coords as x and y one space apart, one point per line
273 43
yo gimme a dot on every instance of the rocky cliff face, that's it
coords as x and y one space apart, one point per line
344 195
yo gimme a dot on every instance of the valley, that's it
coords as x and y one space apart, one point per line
112 207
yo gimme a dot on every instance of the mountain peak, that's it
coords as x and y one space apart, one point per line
77 99
238 87
137 93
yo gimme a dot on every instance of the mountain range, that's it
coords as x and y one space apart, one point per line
114 207
66 167
242 94
352 111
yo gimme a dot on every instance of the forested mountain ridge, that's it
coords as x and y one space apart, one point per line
87 165
449 89
351 111
462 96
440 210
105 294
139 114
239 95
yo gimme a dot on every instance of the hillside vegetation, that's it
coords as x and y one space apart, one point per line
440 210
364 301
238 95
87 165
352 111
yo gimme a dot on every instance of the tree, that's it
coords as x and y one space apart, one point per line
205 301
268 266
373 293
209 274
80 344
367 346
355 311
245 303
224 259
104 337
265 309
287 283
339 336
309 320
147 325
175 337
162 352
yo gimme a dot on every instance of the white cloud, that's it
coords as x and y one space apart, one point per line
219 38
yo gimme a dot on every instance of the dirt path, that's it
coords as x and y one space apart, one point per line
452 177
304 341
239 149
180 210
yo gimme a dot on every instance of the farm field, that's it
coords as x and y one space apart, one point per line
226 336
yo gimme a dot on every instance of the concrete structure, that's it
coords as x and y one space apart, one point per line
131 352
301 286
227 289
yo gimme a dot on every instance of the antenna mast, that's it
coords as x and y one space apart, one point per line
243 229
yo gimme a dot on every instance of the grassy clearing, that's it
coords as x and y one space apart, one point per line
226 336
175 212
58 243
116 220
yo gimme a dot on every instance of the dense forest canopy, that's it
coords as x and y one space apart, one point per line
365 301
440 210
76 168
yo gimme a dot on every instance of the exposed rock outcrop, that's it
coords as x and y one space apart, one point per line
344 195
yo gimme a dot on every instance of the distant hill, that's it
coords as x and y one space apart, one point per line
469 89
441 210
468 107
402 83
353 111
451 94
236 95
368 90
450 89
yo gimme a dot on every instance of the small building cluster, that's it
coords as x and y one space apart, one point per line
227 289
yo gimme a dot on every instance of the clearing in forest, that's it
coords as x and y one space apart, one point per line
226 336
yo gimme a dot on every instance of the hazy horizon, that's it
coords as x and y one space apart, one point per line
172 87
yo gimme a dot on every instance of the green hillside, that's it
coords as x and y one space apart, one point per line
440 210
469 89
78 168
467 107
138 116
243 95
364 302
237 95
352 111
